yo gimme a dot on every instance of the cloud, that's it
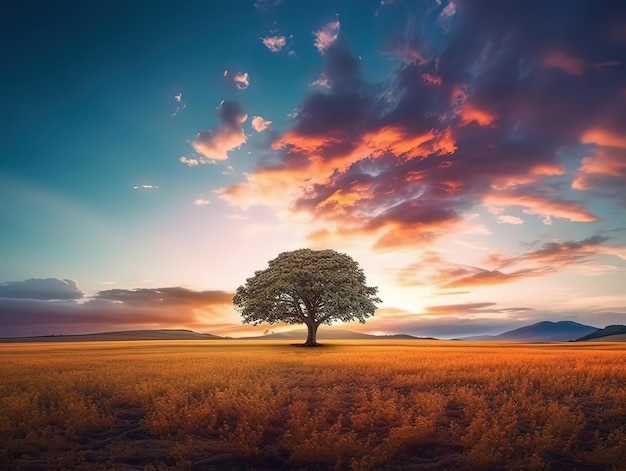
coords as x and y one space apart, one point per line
259 124
474 119
471 309
201 202
507 219
159 297
603 171
113 309
274 43
451 321
266 4
433 270
218 141
564 62
241 80
326 36
534 203
180 105
559 254
42 289
147 187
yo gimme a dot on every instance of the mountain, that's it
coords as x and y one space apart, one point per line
616 332
161 334
335 334
548 331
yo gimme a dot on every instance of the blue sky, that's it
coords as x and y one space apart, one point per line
470 155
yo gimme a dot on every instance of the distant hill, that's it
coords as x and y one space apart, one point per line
161 334
328 334
616 332
548 331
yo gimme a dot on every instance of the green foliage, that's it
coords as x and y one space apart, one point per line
306 286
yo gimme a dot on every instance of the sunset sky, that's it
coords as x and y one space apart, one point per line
469 154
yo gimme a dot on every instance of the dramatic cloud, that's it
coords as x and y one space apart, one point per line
43 289
259 124
432 269
489 111
274 43
241 80
115 309
216 142
326 36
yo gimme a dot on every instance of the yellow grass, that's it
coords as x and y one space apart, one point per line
348 405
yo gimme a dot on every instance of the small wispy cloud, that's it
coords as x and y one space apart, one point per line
266 4
326 36
506 219
201 202
230 170
146 187
322 81
274 43
259 124
241 80
180 105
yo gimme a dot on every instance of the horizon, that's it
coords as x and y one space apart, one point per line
469 155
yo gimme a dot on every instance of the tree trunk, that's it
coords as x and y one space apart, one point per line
311 338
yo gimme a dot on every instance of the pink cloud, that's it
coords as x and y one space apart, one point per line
241 80
565 62
218 141
541 205
274 43
259 124
321 81
326 36
505 218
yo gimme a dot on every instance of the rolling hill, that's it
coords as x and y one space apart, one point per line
548 331
160 334
615 332
545 331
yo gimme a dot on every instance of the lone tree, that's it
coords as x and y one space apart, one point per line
310 287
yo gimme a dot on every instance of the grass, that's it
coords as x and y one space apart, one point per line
354 405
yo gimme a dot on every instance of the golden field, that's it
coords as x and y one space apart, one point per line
352 405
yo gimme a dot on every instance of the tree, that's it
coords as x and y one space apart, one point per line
310 287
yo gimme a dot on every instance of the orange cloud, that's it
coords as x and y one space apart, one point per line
216 142
541 205
472 114
604 137
534 174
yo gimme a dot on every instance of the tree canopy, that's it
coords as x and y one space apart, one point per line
310 287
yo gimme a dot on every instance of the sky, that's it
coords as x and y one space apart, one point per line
470 155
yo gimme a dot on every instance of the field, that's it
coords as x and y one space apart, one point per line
351 405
